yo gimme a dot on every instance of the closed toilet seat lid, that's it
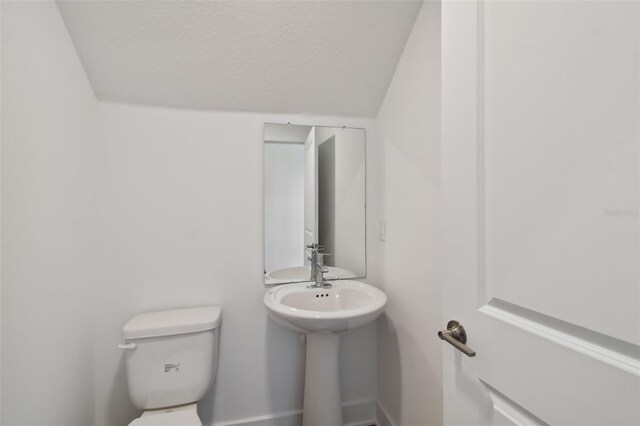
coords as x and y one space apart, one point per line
168 418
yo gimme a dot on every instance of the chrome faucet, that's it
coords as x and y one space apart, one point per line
316 257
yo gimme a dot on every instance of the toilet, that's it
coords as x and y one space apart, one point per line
171 358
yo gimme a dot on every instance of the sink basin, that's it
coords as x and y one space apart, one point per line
321 313
303 273
346 305
293 273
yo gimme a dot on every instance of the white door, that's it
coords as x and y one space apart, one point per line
310 190
540 176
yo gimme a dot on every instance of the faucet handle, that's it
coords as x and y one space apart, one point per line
321 261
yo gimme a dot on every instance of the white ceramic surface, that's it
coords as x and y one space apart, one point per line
322 401
303 273
172 369
172 322
321 313
346 305
184 415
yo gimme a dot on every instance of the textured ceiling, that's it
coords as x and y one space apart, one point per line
320 57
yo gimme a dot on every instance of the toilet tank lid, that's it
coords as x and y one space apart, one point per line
169 323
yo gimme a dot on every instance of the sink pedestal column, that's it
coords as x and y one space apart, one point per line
322 402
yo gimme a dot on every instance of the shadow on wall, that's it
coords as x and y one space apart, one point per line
121 410
390 361
206 415
282 373
412 387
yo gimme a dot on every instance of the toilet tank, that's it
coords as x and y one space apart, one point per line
171 356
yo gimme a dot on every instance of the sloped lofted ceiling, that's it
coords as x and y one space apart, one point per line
316 57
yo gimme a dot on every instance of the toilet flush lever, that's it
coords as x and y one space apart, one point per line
127 346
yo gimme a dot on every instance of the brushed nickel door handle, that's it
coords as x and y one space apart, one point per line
457 337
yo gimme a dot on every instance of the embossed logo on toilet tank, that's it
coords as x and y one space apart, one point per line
172 367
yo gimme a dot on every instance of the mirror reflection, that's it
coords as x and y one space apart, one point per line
314 194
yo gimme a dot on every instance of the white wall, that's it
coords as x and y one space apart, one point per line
350 200
48 267
0 216
181 207
410 382
286 133
350 172
326 201
144 209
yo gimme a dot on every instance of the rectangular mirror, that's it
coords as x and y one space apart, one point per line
314 192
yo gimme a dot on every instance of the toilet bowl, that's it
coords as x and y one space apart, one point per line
171 358
185 415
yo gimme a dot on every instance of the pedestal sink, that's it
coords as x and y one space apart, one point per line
321 313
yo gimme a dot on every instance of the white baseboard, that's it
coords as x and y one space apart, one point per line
382 417
361 412
355 413
286 418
